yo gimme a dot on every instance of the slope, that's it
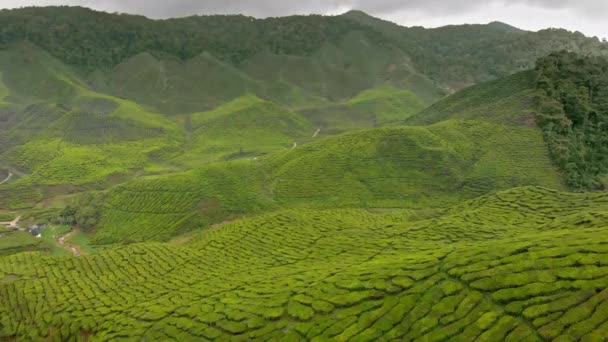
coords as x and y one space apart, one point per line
60 133
245 127
412 166
291 60
331 275
400 167
371 108
336 71
459 56
509 100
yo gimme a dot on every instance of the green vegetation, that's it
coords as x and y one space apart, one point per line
387 103
52 234
68 138
371 108
400 167
244 128
12 241
462 55
158 208
335 274
510 101
416 167
233 178
573 109
194 64
7 217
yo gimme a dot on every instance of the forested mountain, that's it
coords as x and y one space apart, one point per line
291 60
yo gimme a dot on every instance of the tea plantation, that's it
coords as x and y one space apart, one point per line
400 167
227 178
535 274
510 100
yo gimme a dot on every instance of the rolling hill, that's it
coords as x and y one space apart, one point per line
401 167
246 127
371 108
335 275
61 133
299 178
509 100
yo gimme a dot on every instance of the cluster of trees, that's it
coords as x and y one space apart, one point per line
573 113
84 213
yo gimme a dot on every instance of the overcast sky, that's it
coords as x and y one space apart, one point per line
587 16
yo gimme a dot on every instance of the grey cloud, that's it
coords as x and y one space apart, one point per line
264 8
178 8
584 15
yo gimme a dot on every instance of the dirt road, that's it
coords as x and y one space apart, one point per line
63 241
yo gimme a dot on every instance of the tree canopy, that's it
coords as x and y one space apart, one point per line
574 115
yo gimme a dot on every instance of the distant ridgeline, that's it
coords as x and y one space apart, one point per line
332 57
573 113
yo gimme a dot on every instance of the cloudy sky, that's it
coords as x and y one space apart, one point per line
587 16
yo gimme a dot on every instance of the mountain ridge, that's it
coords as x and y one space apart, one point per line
322 42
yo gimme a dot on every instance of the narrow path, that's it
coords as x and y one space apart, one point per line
10 174
317 133
72 248
13 224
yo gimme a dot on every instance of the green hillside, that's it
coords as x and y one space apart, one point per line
246 127
62 134
412 166
458 56
334 275
509 100
306 178
334 73
371 108
196 63
401 167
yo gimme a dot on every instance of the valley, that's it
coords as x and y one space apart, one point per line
300 178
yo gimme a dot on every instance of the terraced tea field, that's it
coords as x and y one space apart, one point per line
399 167
305 178
509 100
339 274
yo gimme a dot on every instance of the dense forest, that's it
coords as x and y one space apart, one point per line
574 115
89 39
456 56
